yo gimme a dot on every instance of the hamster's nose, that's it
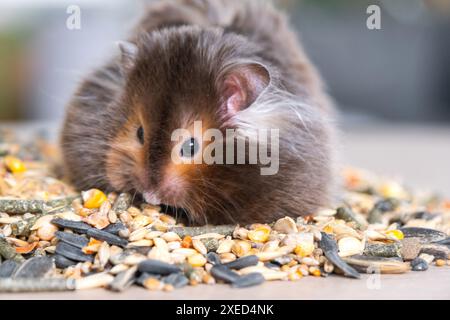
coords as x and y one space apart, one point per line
151 198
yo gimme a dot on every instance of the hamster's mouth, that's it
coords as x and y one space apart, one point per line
178 213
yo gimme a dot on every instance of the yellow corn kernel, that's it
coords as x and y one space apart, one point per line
304 249
197 260
316 273
14 164
397 234
328 229
260 234
93 198
440 262
241 248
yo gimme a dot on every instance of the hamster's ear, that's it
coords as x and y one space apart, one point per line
241 85
128 53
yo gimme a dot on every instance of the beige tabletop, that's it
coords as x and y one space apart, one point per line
420 155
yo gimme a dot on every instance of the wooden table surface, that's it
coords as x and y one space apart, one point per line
420 155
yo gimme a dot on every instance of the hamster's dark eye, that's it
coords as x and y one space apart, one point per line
140 135
189 148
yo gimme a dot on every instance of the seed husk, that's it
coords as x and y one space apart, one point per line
348 215
329 247
123 280
21 206
122 203
349 246
22 227
7 268
211 244
383 250
241 247
225 246
158 267
76 226
378 264
97 280
249 280
427 257
223 273
36 285
424 234
285 225
225 230
106 236
72 252
72 239
36 267
410 248
8 252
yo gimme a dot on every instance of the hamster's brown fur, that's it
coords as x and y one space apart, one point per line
187 52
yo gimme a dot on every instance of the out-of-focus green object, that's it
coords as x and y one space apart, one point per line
13 73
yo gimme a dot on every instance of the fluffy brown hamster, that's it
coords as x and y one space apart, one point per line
230 64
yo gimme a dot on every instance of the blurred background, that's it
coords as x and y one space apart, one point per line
391 85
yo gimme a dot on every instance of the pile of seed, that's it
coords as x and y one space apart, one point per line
53 239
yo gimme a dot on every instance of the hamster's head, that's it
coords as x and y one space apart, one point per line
178 84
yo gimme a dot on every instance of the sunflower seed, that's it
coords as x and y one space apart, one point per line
242 262
158 267
63 262
72 239
37 267
213 258
329 247
249 280
115 228
177 280
72 252
222 273
437 250
424 234
419 264
76 226
123 280
7 268
108 237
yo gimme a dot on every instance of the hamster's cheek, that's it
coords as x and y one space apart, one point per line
125 161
